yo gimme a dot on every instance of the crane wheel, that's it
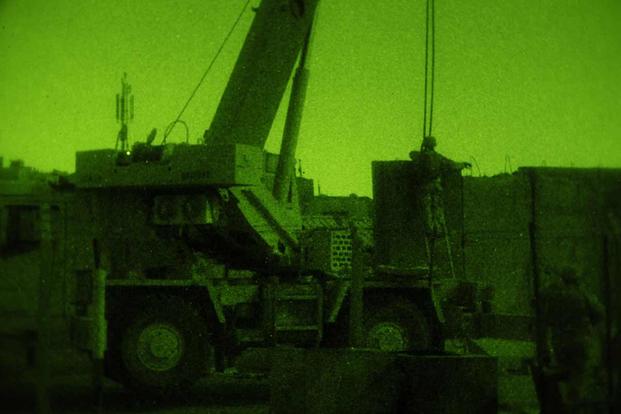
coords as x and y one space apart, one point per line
164 348
397 326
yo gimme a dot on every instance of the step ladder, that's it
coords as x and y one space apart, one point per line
432 245
297 313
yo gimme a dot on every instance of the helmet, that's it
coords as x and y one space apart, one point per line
429 142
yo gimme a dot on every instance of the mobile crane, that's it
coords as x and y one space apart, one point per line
210 248
205 247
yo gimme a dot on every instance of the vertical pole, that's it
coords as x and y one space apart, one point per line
100 333
46 272
550 400
540 342
356 305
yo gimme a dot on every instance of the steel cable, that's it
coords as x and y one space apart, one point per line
228 35
428 95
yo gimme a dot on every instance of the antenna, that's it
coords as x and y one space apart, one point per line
300 170
124 113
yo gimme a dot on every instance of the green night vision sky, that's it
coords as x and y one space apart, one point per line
525 82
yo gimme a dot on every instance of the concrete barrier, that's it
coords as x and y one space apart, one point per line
369 381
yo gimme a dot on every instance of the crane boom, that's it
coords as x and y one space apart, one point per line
260 76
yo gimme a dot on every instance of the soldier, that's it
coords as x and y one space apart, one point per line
570 316
431 166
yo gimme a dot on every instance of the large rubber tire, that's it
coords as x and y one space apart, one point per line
397 326
164 348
